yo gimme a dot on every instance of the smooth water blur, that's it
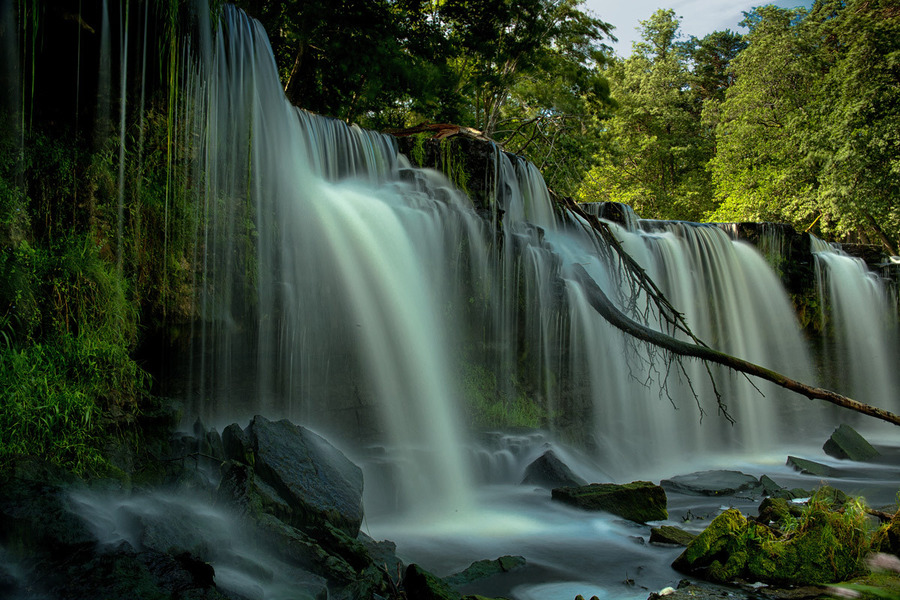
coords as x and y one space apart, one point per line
859 314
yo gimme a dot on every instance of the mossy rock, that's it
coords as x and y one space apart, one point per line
639 501
887 537
826 546
778 511
419 584
667 534
485 568
720 549
846 443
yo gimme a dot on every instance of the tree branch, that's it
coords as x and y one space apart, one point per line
602 304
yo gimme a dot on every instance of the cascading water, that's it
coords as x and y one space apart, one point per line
859 316
347 290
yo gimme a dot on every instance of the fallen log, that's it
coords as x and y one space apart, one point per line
611 313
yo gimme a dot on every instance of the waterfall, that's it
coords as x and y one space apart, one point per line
859 316
347 290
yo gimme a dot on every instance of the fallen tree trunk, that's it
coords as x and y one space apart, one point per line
605 307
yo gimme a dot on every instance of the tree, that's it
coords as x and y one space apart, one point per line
758 171
654 147
808 134
860 124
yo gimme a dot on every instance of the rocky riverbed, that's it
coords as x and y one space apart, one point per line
272 510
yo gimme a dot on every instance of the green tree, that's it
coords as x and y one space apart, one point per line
759 170
808 133
654 148
860 124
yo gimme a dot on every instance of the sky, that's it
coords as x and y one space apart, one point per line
698 17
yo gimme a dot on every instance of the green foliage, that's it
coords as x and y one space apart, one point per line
808 132
57 399
654 148
489 406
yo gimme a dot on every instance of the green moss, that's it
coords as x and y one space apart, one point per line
489 406
827 545
638 501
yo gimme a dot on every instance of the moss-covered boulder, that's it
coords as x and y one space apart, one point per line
674 536
419 584
719 553
485 568
638 501
824 546
887 537
846 443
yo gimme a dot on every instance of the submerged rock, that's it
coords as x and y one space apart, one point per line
320 484
809 467
846 443
713 483
485 568
549 471
639 501
419 584
668 534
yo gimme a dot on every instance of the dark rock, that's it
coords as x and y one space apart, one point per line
216 448
639 501
667 534
35 516
887 538
419 584
770 488
549 471
382 552
485 568
236 444
713 483
8 583
846 443
250 495
319 483
809 467
792 494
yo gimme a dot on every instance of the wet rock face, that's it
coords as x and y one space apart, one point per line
319 483
549 471
713 483
639 501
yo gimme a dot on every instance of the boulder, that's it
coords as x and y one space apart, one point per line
713 483
887 537
639 501
485 568
549 471
777 511
719 551
846 443
668 534
320 484
36 517
809 467
769 486
825 546
236 445
419 584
